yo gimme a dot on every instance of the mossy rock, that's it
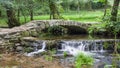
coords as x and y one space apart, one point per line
51 44
33 33
25 34
28 49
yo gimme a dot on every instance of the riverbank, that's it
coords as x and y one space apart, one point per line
20 61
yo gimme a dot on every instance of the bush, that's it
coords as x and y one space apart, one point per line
57 30
97 5
107 27
97 29
83 59
75 30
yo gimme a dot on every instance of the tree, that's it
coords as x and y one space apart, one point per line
89 5
10 12
30 6
54 13
114 10
66 4
17 4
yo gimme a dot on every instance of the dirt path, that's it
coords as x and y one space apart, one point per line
18 61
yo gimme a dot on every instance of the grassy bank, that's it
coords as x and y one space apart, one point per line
82 16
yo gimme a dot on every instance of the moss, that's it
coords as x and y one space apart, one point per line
25 33
33 33
106 45
28 49
57 30
51 44
54 31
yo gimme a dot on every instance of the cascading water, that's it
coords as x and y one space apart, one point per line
75 47
37 50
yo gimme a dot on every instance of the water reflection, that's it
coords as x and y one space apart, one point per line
76 37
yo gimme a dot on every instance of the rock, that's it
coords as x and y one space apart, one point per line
17 44
15 67
33 33
7 37
25 33
19 48
51 44
28 49
30 39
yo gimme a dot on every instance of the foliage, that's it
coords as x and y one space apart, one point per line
118 45
28 49
97 29
65 54
109 28
75 30
57 30
49 56
106 45
97 5
107 66
41 8
83 59
106 27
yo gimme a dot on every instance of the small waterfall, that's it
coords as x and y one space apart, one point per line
74 47
37 50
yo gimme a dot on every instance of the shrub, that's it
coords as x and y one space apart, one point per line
97 5
57 30
75 30
97 29
83 59
107 27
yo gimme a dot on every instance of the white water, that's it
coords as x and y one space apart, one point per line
76 47
73 47
37 50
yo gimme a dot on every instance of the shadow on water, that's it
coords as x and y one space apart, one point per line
69 37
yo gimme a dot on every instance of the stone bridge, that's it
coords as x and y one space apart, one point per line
34 27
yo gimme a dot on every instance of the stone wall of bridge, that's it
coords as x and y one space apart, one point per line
35 27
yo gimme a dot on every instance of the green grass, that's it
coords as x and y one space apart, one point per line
82 59
82 16
3 22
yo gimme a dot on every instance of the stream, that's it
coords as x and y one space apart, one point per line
103 58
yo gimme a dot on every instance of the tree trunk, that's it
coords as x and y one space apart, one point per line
31 14
18 10
78 7
114 10
12 21
105 11
22 12
115 45
0 13
18 15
